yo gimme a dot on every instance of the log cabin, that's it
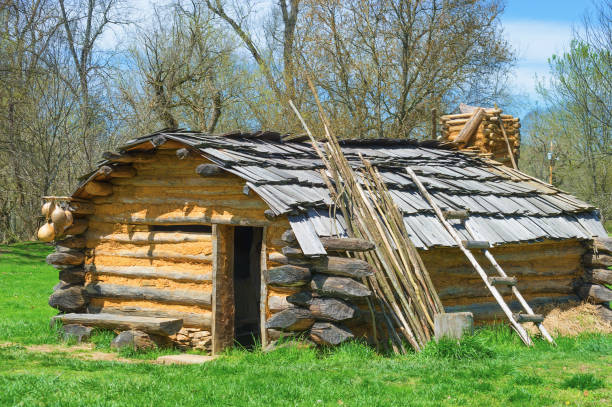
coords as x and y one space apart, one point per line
236 236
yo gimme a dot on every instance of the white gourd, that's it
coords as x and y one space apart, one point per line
58 217
47 208
69 218
46 233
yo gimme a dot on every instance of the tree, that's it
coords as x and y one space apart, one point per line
578 112
184 66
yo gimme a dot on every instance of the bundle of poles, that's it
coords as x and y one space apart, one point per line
402 289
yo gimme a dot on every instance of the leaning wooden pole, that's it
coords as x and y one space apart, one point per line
406 295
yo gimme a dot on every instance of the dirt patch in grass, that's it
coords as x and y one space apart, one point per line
572 319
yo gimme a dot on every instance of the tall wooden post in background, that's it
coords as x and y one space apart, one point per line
223 305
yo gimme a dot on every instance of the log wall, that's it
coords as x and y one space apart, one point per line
546 272
132 269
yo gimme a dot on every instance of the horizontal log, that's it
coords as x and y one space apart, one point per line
603 244
335 244
288 275
147 238
339 287
277 303
149 272
288 237
73 242
301 299
122 171
601 276
343 266
595 293
147 253
185 297
190 319
291 319
96 188
598 260
78 226
491 310
129 158
328 334
476 288
81 208
68 258
69 298
332 309
292 252
182 153
157 326
73 275
182 220
208 170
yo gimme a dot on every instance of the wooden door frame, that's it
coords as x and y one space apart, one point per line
222 298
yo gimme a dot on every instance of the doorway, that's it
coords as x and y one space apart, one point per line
247 284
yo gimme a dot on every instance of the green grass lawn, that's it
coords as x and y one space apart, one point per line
491 368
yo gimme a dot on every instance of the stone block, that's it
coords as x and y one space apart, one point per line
79 332
453 325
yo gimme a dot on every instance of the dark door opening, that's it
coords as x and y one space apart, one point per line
247 283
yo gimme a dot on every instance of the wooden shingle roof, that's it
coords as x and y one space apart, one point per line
505 205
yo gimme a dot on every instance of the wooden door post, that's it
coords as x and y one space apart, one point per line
223 305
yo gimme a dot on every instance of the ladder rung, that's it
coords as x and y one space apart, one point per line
455 214
476 244
510 281
535 318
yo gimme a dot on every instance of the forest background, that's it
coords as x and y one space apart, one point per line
381 66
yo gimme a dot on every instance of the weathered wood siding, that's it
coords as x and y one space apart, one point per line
124 253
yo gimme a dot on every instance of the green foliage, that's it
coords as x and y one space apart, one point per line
583 381
469 347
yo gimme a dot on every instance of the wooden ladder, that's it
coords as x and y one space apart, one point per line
490 282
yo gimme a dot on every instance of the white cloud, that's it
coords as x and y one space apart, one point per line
535 41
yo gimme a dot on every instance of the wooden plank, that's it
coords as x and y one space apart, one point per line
157 326
190 319
147 253
185 297
223 305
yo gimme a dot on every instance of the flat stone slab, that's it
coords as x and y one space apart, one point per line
453 325
184 359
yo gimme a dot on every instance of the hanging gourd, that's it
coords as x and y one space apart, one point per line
69 218
47 208
58 217
46 233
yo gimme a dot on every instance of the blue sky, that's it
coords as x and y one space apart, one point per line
537 29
